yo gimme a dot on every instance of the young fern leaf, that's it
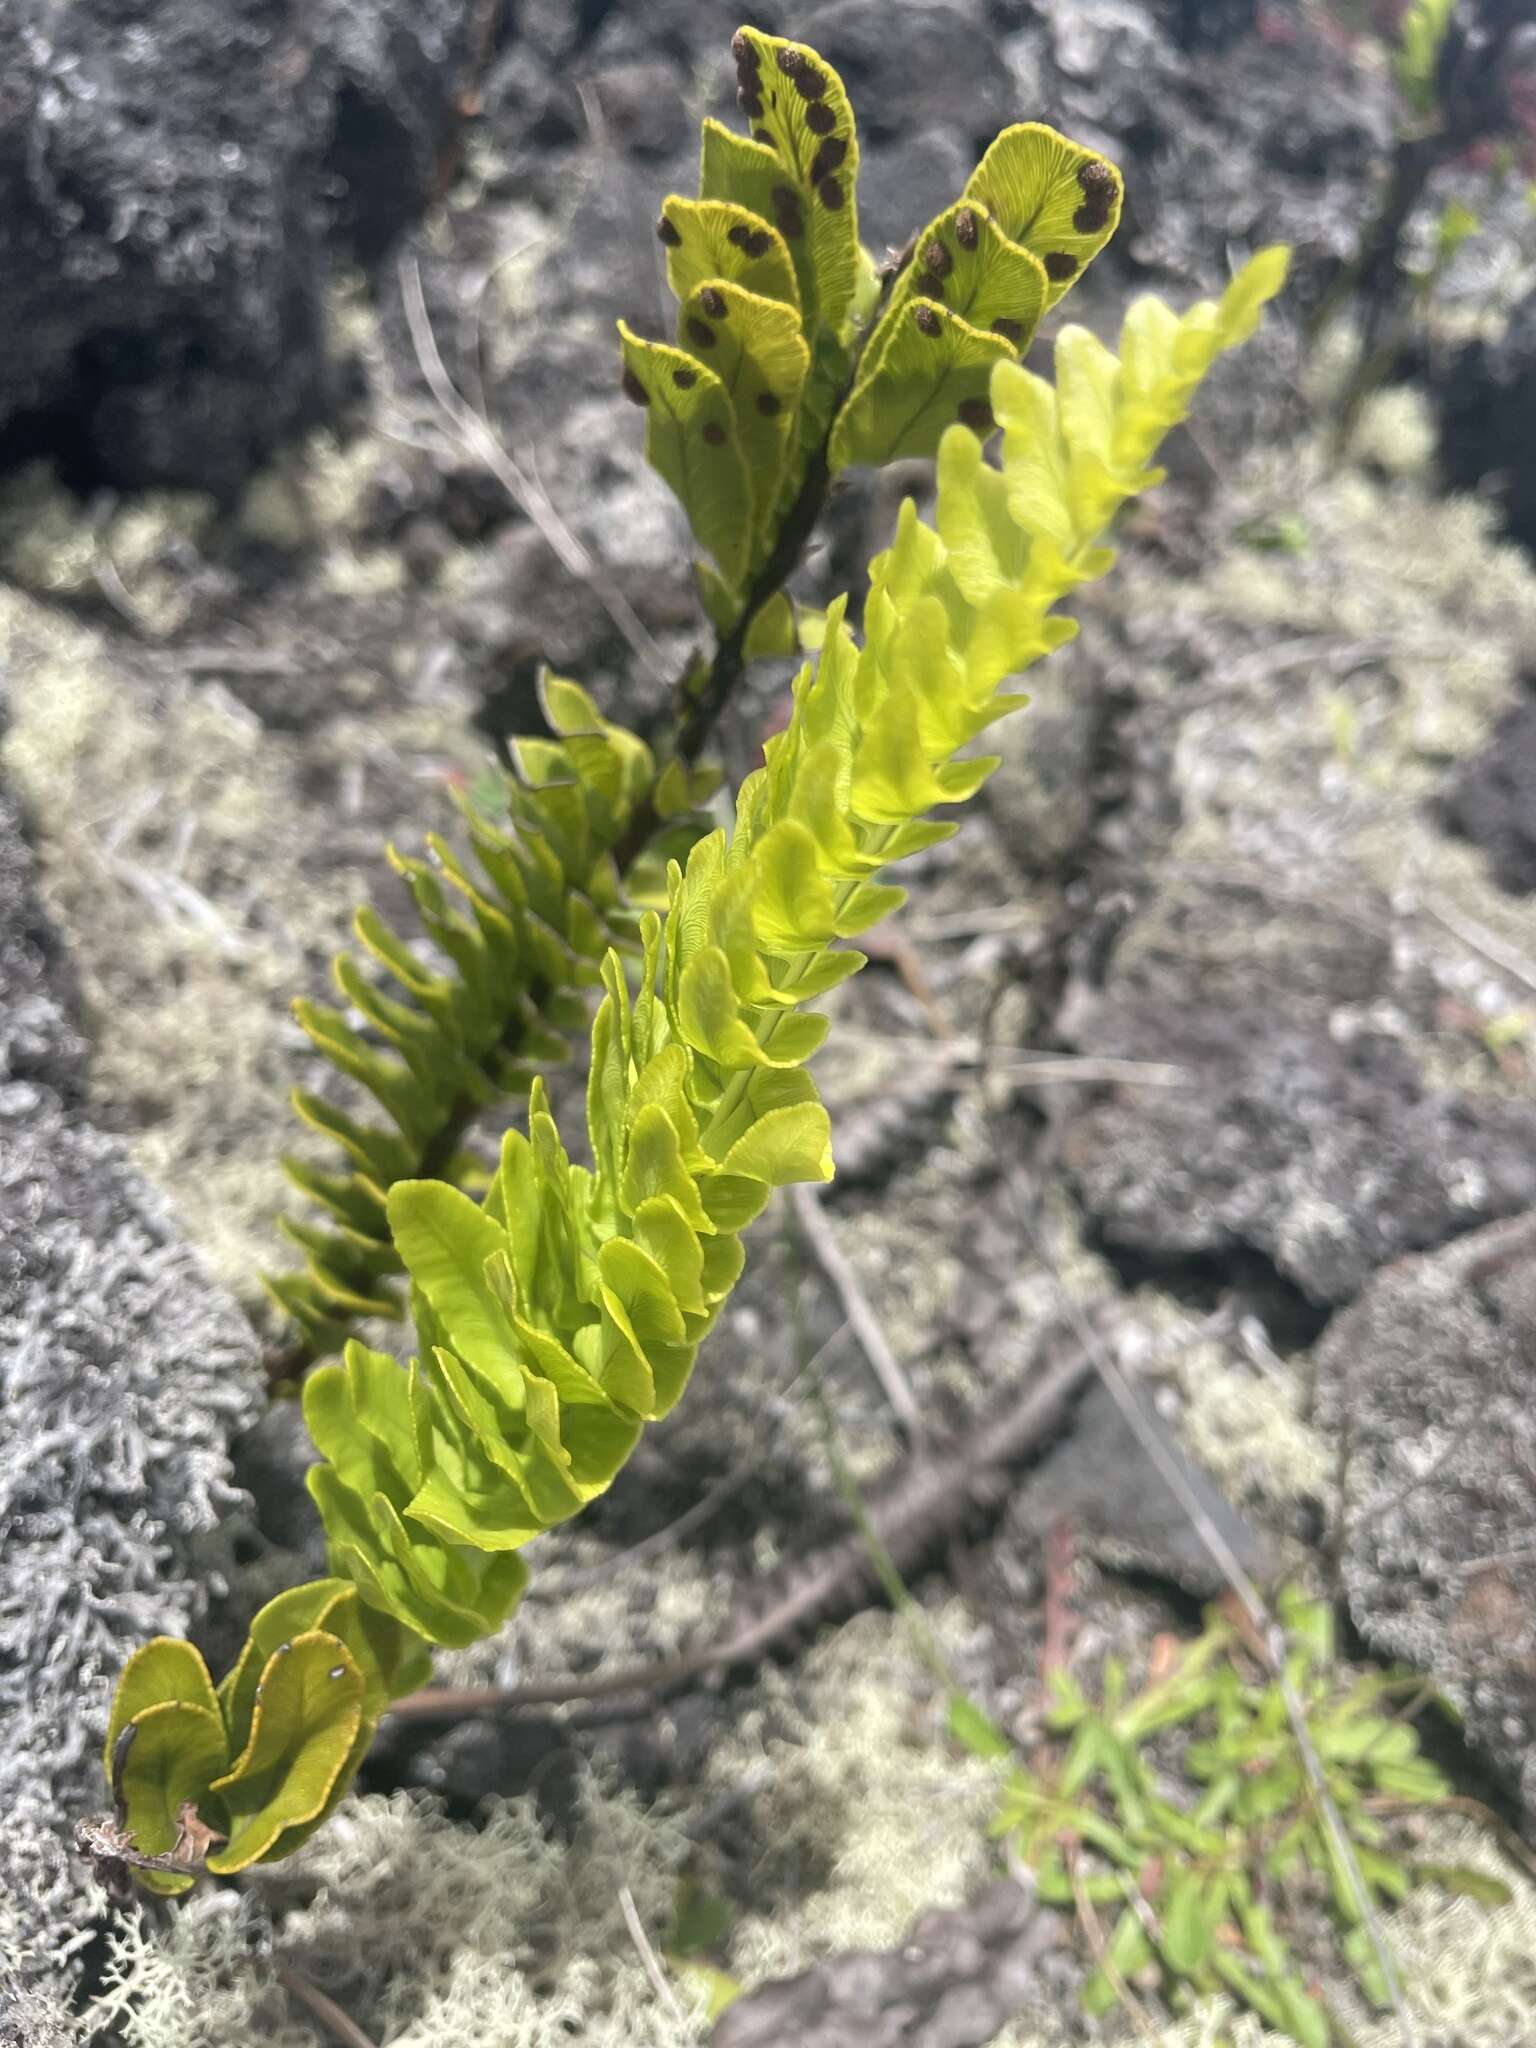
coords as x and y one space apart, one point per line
521 941
575 1298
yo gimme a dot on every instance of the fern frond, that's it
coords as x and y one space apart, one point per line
565 1311
518 940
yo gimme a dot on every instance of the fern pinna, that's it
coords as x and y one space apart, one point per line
563 1310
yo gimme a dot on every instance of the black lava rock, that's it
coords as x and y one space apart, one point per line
171 184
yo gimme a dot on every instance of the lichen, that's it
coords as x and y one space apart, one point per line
427 1934
134 554
201 878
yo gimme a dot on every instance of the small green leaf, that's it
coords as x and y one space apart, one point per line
933 368
1360 1953
719 1989
171 1754
977 1731
710 239
1069 1703
1056 198
963 262
308 1710
799 109
1465 1882
785 1146
1187 1927
163 1670
701 1919
1305 2019
692 444
753 345
444 1240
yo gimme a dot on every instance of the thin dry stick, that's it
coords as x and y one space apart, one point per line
1026 1066
325 2010
1088 1919
1267 1632
481 441
648 1956
1483 941
862 1320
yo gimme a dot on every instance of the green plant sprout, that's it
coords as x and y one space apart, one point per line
561 1308
1192 1895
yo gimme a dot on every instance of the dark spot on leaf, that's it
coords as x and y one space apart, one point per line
930 287
789 59
928 322
810 83
714 433
830 193
685 379
739 236
665 232
743 51
976 414
827 159
1010 330
712 302
700 335
632 388
786 212
967 232
1099 192
762 135
937 259
769 404
758 242
1059 266
750 103
820 119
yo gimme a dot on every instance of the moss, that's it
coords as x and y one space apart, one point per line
53 545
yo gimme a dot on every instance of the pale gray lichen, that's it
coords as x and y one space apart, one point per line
426 1933
135 553
201 881
123 1373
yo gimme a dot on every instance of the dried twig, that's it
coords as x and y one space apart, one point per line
896 949
1060 1619
481 441
1026 1065
821 1240
1483 941
648 1956
325 2010
1088 1920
